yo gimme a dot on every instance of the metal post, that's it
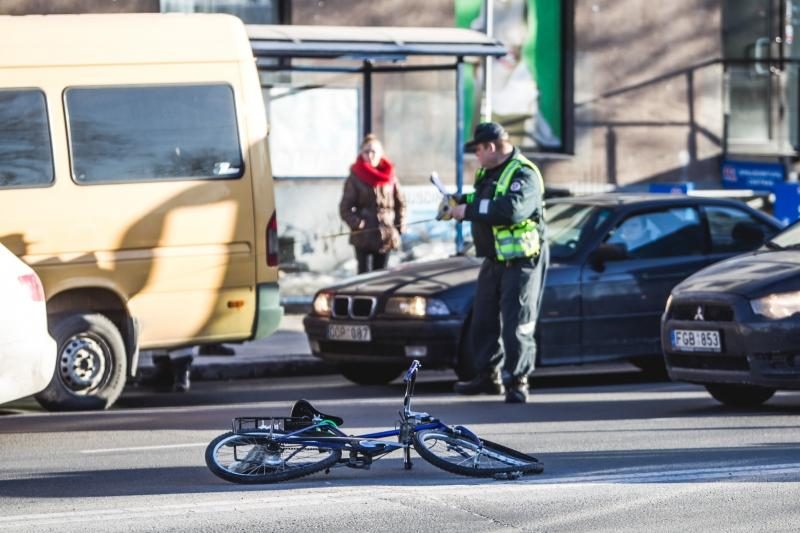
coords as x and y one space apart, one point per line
366 101
488 29
459 144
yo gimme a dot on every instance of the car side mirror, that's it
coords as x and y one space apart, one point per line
607 252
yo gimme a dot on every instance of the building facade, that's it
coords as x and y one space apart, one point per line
634 93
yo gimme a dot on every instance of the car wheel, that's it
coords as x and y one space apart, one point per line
367 374
739 395
91 366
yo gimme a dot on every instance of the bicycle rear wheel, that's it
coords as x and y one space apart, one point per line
459 454
251 458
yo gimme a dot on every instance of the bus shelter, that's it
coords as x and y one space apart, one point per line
366 54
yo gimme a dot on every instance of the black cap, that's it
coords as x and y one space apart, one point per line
486 132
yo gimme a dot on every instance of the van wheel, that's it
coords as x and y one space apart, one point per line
370 374
91 366
739 395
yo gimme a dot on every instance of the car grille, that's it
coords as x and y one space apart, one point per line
359 307
708 362
709 312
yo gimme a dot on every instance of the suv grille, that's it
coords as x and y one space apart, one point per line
709 312
359 307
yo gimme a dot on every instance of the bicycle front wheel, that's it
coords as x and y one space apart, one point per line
252 458
458 454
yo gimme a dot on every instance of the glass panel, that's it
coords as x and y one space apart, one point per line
734 230
415 114
145 133
250 11
749 96
674 232
749 29
311 109
25 155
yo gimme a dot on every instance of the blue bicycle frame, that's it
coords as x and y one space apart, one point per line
367 447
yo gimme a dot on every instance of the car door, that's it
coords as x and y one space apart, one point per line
624 297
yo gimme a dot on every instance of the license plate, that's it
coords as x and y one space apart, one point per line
342 332
685 340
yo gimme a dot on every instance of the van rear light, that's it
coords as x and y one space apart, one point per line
33 285
272 240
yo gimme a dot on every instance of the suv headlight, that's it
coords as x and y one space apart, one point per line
322 304
777 306
415 306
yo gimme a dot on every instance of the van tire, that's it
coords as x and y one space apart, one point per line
91 365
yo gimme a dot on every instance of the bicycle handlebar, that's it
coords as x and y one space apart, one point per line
411 373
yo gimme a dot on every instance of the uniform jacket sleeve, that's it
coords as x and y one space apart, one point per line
522 200
348 206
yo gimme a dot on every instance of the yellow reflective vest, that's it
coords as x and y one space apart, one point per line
518 240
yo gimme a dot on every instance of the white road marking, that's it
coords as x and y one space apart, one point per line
673 475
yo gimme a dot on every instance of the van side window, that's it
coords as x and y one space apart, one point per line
149 133
26 158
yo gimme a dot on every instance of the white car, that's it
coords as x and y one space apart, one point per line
27 351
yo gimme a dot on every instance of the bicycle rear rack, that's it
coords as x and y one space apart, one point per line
267 424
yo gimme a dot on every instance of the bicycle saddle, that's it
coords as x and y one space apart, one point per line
304 409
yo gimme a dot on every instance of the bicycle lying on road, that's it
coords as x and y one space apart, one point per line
268 449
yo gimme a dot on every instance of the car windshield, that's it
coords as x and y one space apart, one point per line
569 225
788 238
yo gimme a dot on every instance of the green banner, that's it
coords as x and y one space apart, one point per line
526 83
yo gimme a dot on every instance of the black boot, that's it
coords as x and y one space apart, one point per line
484 383
181 368
517 390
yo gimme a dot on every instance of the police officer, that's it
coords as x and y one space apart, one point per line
506 211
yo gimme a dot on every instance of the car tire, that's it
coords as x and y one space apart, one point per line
739 395
367 374
91 366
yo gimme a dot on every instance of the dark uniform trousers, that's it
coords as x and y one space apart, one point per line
504 314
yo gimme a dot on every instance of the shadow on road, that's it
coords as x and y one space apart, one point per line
618 467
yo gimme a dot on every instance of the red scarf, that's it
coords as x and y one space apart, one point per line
383 174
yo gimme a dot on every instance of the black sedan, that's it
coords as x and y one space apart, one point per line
735 326
614 260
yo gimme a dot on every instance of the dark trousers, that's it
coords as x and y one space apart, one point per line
369 261
504 315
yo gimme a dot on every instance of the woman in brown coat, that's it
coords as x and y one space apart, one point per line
373 206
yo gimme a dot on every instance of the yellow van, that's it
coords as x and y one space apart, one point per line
135 180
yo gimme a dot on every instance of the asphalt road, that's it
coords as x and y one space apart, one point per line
621 453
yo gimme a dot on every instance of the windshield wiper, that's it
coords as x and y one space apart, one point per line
772 245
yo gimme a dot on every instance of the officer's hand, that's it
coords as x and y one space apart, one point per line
445 207
458 211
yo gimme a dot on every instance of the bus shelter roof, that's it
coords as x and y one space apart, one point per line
348 42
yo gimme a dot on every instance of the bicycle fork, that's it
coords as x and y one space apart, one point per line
406 431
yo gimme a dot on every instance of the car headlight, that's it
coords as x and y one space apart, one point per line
776 306
416 306
322 304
